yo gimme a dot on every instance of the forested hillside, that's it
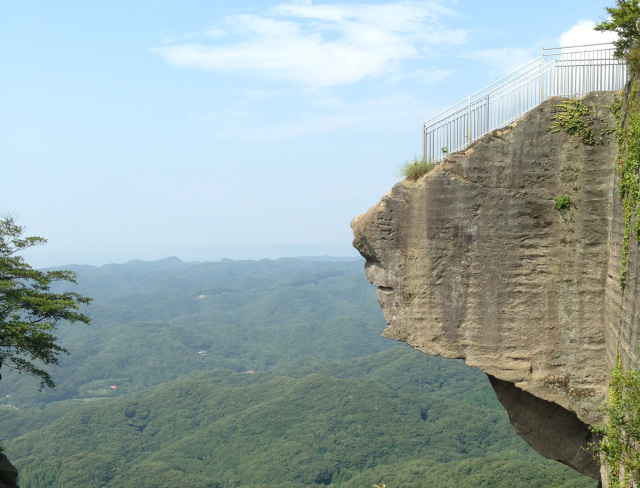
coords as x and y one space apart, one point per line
255 373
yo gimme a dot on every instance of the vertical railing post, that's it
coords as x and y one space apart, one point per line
542 77
487 116
424 143
468 121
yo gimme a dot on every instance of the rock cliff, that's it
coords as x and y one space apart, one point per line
473 261
8 473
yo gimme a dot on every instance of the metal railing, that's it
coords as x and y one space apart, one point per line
558 72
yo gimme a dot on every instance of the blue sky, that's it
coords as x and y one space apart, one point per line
247 129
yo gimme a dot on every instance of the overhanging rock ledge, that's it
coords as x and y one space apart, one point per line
473 261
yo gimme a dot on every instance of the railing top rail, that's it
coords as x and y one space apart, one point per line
578 46
530 66
523 70
465 100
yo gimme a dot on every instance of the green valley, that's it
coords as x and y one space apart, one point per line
256 373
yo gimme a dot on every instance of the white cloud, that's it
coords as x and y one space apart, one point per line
322 45
582 33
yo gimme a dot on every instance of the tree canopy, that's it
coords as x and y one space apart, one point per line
625 21
29 310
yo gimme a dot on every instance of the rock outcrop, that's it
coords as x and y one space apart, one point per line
473 261
8 473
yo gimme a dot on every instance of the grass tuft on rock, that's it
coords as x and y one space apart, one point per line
415 168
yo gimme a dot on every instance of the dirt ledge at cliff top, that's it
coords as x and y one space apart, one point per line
473 261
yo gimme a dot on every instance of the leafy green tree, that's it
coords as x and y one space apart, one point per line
29 311
621 434
625 21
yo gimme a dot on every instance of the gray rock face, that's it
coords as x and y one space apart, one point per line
473 261
541 423
8 473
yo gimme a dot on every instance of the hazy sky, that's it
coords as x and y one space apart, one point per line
205 129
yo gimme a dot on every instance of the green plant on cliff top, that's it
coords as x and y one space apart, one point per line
414 169
625 21
563 202
619 447
576 119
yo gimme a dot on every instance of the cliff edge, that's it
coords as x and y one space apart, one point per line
474 261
